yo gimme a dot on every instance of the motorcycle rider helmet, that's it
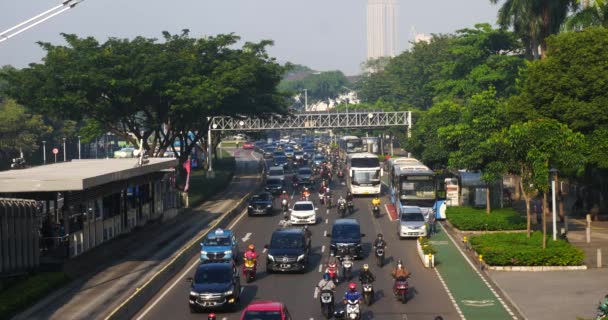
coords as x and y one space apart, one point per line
348 193
331 264
352 286
379 236
251 247
366 267
284 192
399 264
326 276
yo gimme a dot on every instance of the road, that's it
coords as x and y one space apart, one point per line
428 296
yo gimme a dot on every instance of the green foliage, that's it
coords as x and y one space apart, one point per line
202 188
28 290
594 15
472 219
427 247
321 86
515 249
19 129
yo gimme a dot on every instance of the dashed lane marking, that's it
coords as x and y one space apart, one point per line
326 221
325 233
246 237
323 248
264 251
445 287
320 267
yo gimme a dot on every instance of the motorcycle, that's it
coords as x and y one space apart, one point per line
380 256
368 293
322 198
353 311
333 273
376 211
347 267
400 289
351 207
327 303
249 269
285 207
328 200
342 209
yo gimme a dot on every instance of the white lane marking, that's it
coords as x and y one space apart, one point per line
326 221
479 274
320 267
315 294
323 248
325 233
327 211
264 251
224 318
181 277
445 287
246 237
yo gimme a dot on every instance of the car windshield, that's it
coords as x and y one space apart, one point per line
217 241
305 171
412 216
279 154
273 181
280 159
289 150
275 172
299 153
269 149
260 197
319 158
348 231
262 315
286 241
212 275
303 207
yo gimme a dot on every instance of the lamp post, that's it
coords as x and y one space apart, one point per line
79 148
64 152
305 99
44 151
553 172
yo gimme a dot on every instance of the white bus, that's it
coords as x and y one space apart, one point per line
413 185
350 144
364 173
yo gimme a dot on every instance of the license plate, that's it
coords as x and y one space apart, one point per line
285 266
209 303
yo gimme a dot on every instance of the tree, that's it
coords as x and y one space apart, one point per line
531 148
591 14
322 86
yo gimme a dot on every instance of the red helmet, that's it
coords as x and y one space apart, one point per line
352 286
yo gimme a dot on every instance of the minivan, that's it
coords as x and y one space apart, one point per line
411 223
346 239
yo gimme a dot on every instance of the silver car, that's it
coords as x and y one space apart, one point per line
411 223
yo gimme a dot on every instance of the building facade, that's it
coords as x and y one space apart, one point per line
381 28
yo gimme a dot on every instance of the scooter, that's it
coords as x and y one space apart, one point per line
351 207
347 267
342 209
249 269
327 303
285 207
376 211
368 293
353 310
322 198
380 256
400 289
328 200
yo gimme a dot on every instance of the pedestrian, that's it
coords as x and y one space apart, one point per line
387 157
431 224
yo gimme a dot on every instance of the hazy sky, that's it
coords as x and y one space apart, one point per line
322 34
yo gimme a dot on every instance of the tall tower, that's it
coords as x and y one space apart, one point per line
381 28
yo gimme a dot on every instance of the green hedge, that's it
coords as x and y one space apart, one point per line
427 247
473 219
515 249
28 290
203 188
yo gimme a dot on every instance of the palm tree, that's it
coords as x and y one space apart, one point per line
592 14
535 20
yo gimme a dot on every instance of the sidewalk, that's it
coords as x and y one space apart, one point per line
471 292
105 276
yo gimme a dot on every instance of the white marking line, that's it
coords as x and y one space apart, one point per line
320 267
326 221
246 237
479 274
264 251
445 286
315 294
323 248
327 211
325 233
387 213
181 277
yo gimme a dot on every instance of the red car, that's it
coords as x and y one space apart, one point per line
266 310
248 145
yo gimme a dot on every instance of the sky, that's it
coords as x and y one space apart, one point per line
322 34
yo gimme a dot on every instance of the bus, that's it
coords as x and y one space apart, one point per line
413 184
350 144
364 173
393 162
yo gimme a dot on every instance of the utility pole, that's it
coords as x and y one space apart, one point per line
305 99
79 148
64 152
43 151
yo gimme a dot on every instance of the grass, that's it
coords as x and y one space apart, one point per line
26 290
515 249
473 219
202 188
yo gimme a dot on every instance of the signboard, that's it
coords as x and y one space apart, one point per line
55 151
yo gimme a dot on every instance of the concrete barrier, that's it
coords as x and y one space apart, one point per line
142 295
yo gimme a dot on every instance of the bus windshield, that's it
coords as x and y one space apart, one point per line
364 163
417 190
365 176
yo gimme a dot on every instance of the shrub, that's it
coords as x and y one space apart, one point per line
203 188
28 290
473 219
427 247
515 249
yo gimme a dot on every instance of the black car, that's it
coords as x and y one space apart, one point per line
274 185
269 151
304 176
346 239
281 161
288 251
260 204
215 285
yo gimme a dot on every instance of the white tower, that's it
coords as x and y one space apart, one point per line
381 28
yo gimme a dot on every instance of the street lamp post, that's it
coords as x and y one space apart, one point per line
79 148
305 99
553 172
44 151
64 151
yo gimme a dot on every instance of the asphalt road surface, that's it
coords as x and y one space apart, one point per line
428 297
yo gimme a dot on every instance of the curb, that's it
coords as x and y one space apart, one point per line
426 262
536 268
142 295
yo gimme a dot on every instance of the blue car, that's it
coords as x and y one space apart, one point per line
219 246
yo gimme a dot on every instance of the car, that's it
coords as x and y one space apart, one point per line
259 146
274 185
318 159
346 238
124 153
261 310
304 176
214 286
303 212
288 250
298 155
268 151
278 153
276 172
412 223
239 136
248 145
289 152
219 245
281 161
260 204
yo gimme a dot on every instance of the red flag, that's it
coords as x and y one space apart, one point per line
187 166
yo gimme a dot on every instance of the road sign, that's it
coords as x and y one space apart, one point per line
55 151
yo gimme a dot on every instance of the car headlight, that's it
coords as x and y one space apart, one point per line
203 252
300 257
270 257
229 292
269 206
250 206
279 187
194 293
228 252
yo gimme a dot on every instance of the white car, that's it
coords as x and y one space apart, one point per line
303 212
124 153
276 173
411 223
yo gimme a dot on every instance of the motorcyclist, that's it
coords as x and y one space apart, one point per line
341 201
366 276
326 283
352 293
379 241
400 271
284 196
294 179
250 254
349 196
307 234
376 201
305 193
333 264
